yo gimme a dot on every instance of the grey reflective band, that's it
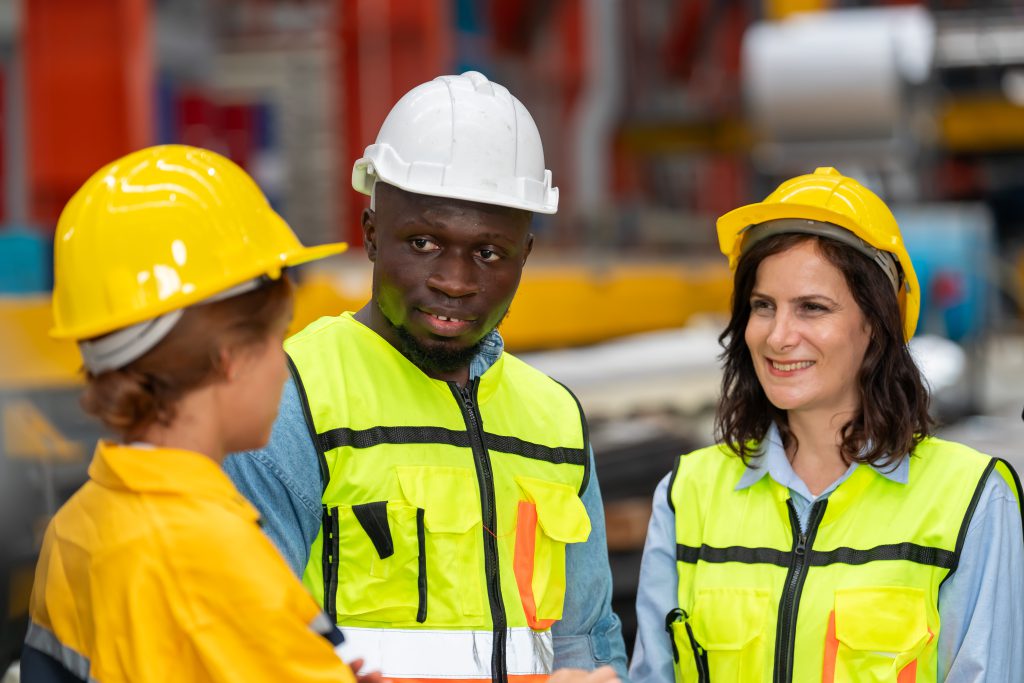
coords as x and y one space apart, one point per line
752 234
119 348
42 639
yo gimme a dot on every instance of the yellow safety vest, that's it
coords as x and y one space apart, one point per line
853 597
446 510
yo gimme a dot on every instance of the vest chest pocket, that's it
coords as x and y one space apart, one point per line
728 635
450 499
875 635
379 551
551 516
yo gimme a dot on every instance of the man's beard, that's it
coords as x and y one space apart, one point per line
440 357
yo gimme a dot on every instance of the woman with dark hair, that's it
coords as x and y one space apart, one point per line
169 268
828 536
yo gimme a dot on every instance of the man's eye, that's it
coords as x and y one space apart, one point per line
422 244
488 255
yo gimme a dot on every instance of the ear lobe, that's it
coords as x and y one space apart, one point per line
369 234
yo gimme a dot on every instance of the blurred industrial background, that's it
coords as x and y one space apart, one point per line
657 116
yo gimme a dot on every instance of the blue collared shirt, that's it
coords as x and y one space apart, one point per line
283 481
981 606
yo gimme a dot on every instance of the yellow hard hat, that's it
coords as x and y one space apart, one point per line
827 196
161 229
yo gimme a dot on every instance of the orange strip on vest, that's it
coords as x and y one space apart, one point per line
828 670
522 564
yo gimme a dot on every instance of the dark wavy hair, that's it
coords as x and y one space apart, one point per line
893 414
147 390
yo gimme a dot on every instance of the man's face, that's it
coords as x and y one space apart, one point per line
445 272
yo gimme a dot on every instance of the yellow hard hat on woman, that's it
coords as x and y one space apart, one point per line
829 204
154 232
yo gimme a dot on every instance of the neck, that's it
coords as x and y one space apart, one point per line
817 459
194 428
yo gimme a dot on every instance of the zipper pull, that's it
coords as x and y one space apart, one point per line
801 544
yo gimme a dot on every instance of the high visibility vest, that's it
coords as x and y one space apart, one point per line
446 510
853 597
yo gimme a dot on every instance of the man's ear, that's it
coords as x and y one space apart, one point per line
370 234
529 247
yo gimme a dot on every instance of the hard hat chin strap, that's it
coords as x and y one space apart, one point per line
753 234
121 347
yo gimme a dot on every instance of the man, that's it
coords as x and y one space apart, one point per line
436 493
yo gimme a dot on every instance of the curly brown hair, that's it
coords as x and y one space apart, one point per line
893 414
146 391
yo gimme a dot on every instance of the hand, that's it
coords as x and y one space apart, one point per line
371 677
605 674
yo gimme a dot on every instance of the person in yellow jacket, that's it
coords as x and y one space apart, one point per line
170 274
829 536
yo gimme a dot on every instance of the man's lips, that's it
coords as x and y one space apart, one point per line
445 324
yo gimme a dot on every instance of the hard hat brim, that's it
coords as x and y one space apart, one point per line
182 300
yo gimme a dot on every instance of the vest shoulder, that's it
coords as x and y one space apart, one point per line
715 458
524 373
337 324
950 454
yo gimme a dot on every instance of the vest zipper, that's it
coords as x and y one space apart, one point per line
466 397
789 604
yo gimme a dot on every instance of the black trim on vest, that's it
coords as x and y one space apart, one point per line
373 517
376 436
586 439
672 483
1016 483
421 579
962 536
911 552
325 473
329 561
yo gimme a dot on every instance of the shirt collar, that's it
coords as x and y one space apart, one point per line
491 348
772 461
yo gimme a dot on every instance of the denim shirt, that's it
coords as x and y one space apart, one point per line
283 481
981 606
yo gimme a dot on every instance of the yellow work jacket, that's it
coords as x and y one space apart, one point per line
851 598
157 570
446 510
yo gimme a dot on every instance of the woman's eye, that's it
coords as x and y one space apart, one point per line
760 305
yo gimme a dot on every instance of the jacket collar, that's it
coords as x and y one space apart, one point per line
143 468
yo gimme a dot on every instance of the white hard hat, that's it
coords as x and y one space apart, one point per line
462 137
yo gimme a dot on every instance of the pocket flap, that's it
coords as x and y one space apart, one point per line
728 618
560 512
881 619
448 496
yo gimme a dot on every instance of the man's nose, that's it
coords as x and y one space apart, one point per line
455 275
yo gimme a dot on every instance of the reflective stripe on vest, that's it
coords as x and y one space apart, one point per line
444 508
852 597
446 654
